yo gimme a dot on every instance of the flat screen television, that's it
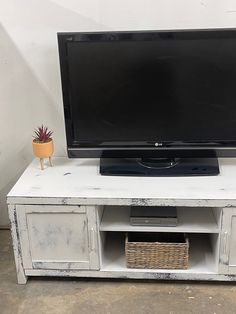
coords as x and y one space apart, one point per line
150 102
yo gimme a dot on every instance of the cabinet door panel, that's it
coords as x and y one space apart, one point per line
56 237
228 242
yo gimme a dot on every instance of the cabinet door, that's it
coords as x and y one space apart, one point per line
228 242
58 237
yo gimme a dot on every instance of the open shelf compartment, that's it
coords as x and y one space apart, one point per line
190 219
203 254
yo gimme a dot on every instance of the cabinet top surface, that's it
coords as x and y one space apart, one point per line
72 179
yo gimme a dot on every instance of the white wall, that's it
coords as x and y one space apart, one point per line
30 91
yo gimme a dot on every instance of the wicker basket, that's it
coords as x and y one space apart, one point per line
156 250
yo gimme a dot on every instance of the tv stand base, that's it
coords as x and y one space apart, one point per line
159 167
154 275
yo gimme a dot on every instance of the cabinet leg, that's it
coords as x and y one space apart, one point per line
21 277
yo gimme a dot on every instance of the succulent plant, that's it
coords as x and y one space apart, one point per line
42 134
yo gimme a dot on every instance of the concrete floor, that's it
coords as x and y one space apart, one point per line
57 296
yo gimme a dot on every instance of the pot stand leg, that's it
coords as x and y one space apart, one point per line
50 161
41 163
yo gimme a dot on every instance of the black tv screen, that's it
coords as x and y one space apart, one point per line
143 89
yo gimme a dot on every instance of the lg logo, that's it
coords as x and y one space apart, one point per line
158 144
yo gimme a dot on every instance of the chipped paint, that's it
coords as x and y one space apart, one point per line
129 275
70 268
64 201
81 194
21 277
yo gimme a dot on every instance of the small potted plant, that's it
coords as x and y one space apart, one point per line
43 144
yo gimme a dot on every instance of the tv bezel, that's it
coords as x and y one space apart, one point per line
129 150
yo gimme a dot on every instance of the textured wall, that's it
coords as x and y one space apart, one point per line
29 69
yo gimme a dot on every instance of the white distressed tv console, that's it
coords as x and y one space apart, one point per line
70 221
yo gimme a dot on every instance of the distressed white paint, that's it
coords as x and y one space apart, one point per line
202 259
232 246
75 180
194 220
228 242
41 211
58 237
214 239
91 212
127 274
20 272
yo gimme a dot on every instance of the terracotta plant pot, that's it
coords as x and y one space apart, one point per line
43 150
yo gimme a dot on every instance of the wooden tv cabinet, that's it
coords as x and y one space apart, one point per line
70 221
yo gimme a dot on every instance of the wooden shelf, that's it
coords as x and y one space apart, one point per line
201 257
190 219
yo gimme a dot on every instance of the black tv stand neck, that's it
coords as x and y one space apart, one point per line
155 167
